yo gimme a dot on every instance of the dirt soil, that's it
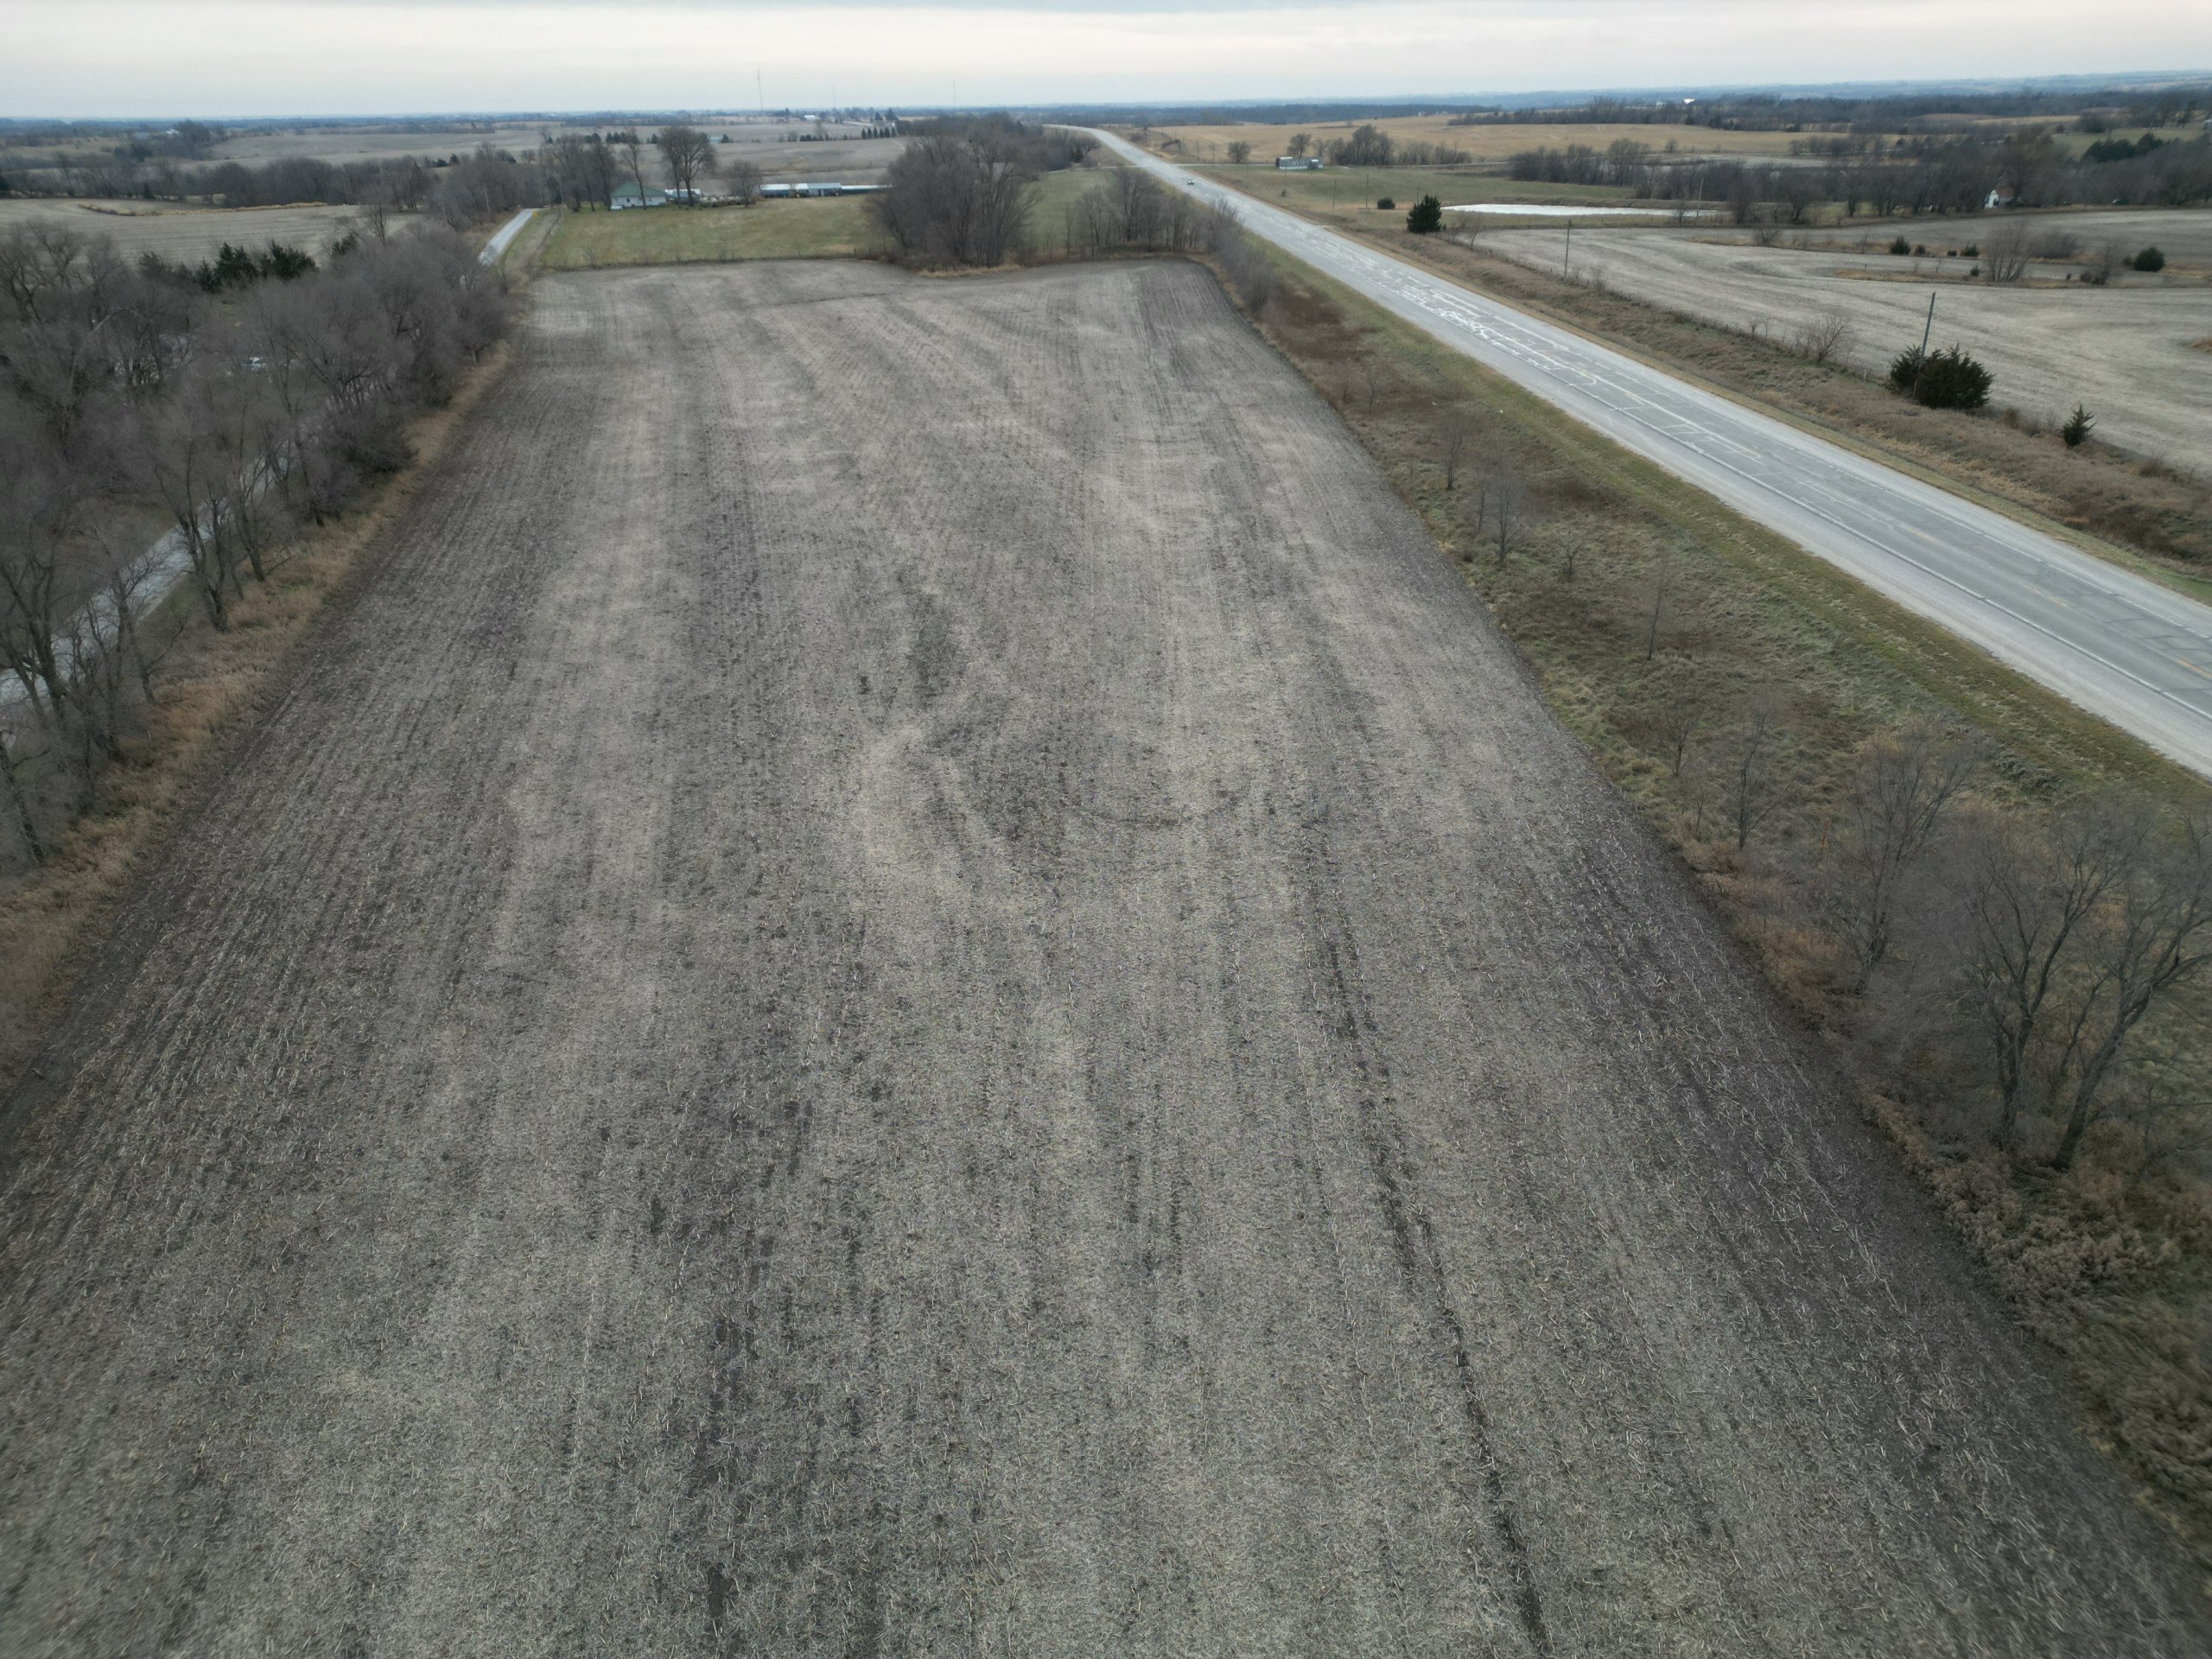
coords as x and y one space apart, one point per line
2124 350
912 977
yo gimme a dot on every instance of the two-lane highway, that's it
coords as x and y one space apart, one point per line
2115 643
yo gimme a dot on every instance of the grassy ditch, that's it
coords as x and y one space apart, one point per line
208 689
1671 635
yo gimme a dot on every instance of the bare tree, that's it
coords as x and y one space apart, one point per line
1300 142
630 161
687 154
1754 760
1823 337
44 497
1458 431
2156 933
1370 375
181 457
2169 1124
1662 588
19 795
2028 899
1680 718
743 179
1239 153
583 169
1510 513
1906 782
2004 252
948 199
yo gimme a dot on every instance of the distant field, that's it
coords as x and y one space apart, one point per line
375 142
832 228
837 153
191 233
768 144
1483 143
2122 350
1348 195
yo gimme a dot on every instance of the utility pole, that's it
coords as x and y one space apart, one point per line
761 92
1566 259
1926 332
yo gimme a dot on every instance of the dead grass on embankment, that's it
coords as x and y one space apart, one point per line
2111 1264
210 687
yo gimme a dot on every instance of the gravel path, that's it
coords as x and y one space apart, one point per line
911 978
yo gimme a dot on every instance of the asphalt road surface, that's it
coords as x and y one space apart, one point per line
910 977
2122 648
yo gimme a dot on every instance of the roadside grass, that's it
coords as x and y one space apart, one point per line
2110 1264
210 687
2136 512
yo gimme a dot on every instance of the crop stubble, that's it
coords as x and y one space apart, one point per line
912 978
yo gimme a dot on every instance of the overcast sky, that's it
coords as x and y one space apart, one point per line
269 57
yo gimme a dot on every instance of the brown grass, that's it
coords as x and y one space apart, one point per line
211 687
2109 1265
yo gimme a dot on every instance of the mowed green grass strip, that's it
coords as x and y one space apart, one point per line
825 227
829 227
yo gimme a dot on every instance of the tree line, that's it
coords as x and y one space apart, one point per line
2092 110
961 192
964 193
130 396
460 189
1913 177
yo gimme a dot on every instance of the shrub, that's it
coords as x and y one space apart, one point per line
1386 204
2149 259
2077 428
1951 379
1900 247
1945 379
1427 217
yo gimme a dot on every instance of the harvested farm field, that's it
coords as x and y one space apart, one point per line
2122 350
187 233
910 976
